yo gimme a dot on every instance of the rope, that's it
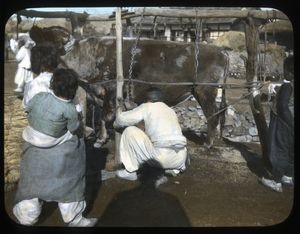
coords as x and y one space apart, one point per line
230 85
226 85
93 118
226 107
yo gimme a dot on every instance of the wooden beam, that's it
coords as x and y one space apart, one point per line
52 14
175 13
257 14
251 35
120 78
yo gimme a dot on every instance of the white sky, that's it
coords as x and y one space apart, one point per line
89 10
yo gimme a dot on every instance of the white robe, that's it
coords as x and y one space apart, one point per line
13 45
28 211
23 74
39 84
162 140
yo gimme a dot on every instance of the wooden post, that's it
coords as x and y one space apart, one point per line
120 78
251 35
18 26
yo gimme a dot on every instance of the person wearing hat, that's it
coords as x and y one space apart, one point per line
161 143
24 73
280 165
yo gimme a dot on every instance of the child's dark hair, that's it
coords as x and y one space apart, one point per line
44 57
64 83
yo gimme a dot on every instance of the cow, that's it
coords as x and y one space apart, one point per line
94 59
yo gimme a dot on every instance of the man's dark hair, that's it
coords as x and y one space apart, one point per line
154 94
64 83
44 57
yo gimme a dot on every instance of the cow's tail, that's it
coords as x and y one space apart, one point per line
84 84
223 104
90 95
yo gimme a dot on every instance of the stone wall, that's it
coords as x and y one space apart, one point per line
239 122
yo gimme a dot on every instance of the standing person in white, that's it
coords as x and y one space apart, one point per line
44 61
13 44
161 143
24 73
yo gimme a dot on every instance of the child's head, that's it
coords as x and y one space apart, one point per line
64 83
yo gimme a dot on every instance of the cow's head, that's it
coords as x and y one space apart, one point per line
59 36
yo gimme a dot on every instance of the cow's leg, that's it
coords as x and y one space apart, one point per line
81 100
206 97
102 135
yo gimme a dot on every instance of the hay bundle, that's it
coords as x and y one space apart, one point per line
231 40
14 122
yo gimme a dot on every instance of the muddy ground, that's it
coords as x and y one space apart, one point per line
219 189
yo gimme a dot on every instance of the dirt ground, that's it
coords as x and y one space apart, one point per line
220 188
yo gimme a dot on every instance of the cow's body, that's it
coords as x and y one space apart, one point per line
94 59
156 61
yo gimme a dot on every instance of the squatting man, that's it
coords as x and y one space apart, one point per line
161 144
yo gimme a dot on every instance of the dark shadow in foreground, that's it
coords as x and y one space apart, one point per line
145 205
254 160
95 162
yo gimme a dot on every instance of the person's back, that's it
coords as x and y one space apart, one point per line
51 115
53 156
161 122
162 144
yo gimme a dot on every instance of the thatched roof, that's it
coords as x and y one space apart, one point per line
277 26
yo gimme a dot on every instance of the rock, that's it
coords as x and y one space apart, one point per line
253 131
190 108
248 116
227 130
255 139
229 120
230 111
237 123
240 138
200 112
238 131
247 124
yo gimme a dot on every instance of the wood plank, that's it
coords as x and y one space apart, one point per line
120 78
